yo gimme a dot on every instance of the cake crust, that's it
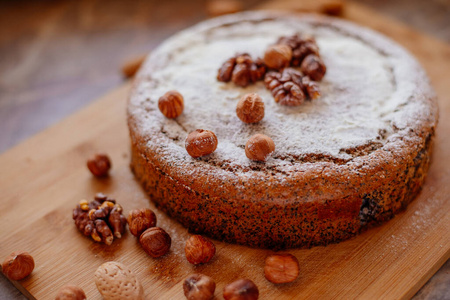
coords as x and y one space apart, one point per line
298 199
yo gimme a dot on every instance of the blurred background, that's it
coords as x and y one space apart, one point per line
58 56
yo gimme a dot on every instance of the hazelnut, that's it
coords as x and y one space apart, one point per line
313 67
171 104
99 165
201 142
278 56
199 287
18 265
259 147
221 7
155 241
199 250
140 220
281 268
333 7
70 292
242 289
250 109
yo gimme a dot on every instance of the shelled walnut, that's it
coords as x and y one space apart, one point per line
101 219
290 87
242 70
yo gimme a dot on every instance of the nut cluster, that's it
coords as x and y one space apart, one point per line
100 219
199 250
140 220
18 265
250 109
201 142
171 104
241 70
281 268
199 287
259 147
155 241
99 165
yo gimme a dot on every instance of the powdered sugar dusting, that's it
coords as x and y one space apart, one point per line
363 100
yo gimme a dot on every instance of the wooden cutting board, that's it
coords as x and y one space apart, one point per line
42 179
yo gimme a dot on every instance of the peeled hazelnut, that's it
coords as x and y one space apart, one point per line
99 165
278 56
199 287
18 265
281 268
313 67
201 142
155 241
242 289
259 147
140 220
199 250
250 109
70 292
171 104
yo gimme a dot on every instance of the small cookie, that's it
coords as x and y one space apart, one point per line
116 281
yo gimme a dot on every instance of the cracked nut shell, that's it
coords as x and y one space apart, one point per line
155 241
281 268
18 265
171 104
199 287
199 250
259 147
242 289
70 292
200 143
250 108
140 220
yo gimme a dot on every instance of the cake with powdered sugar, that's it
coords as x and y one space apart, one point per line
352 158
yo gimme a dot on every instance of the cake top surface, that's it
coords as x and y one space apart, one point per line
373 92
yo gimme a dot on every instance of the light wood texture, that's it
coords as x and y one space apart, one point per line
43 178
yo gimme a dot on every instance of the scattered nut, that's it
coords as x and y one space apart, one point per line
278 56
18 265
99 165
130 67
140 220
259 147
281 268
242 289
199 250
199 287
115 281
201 142
171 104
155 241
250 109
221 7
333 7
314 67
70 292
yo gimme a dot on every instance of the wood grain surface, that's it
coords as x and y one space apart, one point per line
43 178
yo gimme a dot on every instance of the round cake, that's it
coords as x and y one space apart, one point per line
352 158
